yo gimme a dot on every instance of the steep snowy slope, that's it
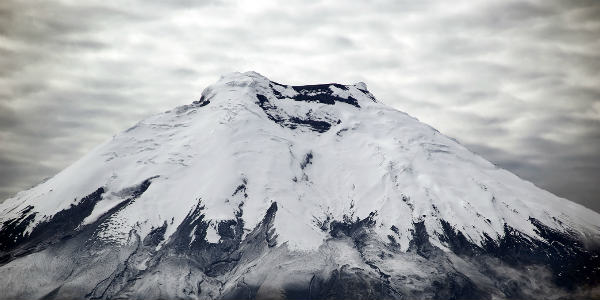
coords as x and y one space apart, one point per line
261 189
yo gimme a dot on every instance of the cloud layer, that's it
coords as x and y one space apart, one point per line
516 81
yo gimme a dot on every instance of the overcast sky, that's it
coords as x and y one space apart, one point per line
515 81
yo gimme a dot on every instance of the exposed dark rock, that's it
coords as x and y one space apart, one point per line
456 240
241 188
420 242
155 236
62 226
349 227
202 102
291 122
307 160
569 261
12 234
315 125
322 93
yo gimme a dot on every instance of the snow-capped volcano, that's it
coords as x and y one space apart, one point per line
261 190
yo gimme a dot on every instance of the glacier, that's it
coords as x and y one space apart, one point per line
264 190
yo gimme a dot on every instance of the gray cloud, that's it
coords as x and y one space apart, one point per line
516 81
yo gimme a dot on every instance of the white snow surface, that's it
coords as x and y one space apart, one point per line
377 159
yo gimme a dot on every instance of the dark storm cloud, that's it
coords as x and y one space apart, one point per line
516 81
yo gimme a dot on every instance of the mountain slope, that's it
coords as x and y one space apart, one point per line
266 190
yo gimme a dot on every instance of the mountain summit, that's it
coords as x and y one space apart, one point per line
265 190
